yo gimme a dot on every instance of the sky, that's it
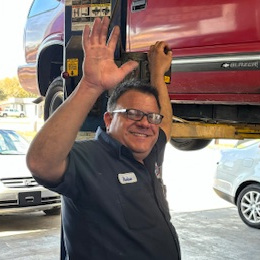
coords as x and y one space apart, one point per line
13 15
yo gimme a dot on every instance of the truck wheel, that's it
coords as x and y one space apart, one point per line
54 97
189 144
248 205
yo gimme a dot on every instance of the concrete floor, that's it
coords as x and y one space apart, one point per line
216 235
208 227
204 235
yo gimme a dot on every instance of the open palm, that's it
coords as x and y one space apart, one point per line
99 68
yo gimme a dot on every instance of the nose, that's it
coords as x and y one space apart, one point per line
143 122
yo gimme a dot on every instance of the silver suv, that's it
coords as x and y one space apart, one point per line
12 112
237 180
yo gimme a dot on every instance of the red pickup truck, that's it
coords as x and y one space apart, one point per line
215 72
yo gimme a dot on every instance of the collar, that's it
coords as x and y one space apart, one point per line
114 146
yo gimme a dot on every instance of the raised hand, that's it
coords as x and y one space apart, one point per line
160 58
99 68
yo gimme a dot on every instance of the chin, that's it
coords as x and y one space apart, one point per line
138 149
140 146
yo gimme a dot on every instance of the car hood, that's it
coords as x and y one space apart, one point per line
13 166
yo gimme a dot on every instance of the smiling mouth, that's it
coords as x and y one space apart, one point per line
140 134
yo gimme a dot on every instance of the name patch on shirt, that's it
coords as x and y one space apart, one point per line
125 178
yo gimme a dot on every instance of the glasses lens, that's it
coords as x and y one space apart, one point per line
154 118
135 114
138 115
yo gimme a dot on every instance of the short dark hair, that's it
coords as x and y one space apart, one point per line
128 85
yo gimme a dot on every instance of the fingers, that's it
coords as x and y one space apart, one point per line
124 70
98 34
95 32
85 37
160 50
113 39
159 57
104 30
161 46
128 67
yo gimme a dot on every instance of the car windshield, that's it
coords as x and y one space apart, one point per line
12 143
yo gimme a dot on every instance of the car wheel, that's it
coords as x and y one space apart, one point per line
52 212
54 97
4 115
248 205
189 144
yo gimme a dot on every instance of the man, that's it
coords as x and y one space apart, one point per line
113 203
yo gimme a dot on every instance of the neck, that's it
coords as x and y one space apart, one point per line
139 157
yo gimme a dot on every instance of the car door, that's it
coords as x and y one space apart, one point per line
215 46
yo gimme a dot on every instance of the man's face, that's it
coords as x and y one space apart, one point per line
138 136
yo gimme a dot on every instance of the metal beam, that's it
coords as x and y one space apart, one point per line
198 130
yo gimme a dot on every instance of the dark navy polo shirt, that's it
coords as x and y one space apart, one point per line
113 207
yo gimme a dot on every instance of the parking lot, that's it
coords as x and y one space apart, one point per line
208 227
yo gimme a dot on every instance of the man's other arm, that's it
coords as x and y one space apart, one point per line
159 63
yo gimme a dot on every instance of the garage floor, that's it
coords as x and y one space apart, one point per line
208 227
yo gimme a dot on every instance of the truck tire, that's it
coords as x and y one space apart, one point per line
54 97
189 144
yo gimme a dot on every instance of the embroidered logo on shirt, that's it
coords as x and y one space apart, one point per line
158 171
125 178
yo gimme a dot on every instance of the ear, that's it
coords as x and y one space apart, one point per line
107 119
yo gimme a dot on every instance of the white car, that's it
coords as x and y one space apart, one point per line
12 112
19 192
237 180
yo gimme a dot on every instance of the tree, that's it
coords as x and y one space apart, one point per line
3 96
10 87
